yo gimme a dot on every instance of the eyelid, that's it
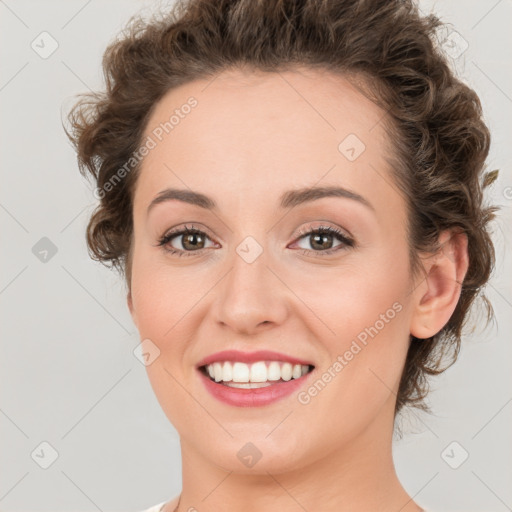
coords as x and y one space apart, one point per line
179 231
189 226
323 226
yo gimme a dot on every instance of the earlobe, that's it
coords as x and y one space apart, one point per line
437 297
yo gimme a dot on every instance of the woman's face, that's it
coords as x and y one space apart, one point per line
253 279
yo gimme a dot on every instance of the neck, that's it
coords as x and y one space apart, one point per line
359 475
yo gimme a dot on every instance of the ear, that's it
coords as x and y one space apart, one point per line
133 313
437 295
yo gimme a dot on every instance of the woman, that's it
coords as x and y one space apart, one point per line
293 191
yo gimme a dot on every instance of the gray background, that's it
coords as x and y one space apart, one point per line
68 373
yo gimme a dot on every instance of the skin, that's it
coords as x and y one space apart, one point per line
252 137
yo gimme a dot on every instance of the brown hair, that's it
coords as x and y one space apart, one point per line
434 121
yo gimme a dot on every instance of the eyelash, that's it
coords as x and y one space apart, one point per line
348 242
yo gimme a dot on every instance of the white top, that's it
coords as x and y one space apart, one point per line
160 506
155 508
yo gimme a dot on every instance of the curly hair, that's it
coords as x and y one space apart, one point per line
434 121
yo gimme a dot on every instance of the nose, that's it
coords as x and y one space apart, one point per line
250 298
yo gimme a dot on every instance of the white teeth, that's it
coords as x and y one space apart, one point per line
227 372
248 385
240 372
286 371
258 372
297 371
274 371
242 375
217 370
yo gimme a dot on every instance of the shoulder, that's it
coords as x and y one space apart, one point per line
171 505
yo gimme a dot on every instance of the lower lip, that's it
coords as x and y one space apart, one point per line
252 397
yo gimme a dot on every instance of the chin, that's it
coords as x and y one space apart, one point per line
255 455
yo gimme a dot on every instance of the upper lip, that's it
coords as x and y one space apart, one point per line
250 357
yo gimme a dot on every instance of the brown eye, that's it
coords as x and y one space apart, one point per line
192 241
321 240
184 241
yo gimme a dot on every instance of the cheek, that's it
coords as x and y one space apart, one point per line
157 298
347 302
170 302
366 310
362 372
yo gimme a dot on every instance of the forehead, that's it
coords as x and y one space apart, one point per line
244 131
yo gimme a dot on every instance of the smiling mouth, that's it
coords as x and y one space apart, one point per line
260 374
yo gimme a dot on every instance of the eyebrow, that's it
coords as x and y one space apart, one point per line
288 199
